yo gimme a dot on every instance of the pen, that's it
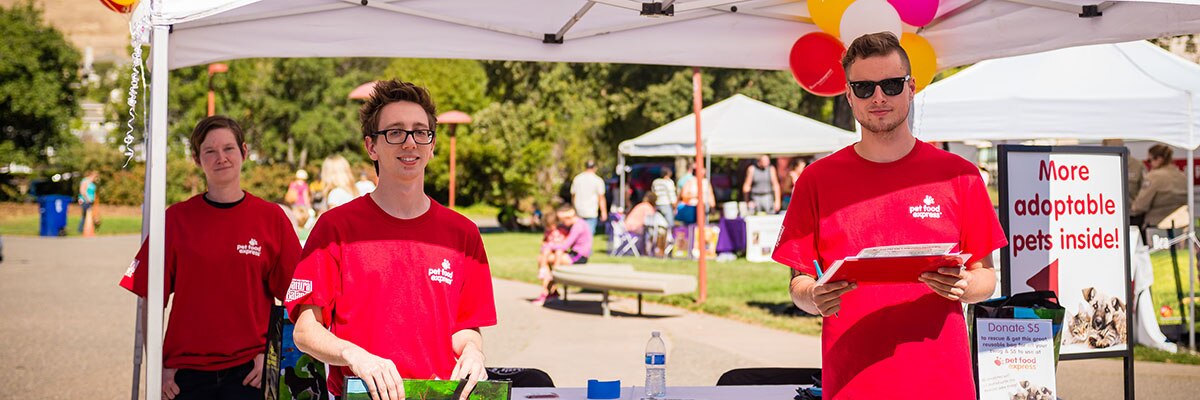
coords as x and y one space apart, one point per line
819 273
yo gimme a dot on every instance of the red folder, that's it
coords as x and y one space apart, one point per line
889 269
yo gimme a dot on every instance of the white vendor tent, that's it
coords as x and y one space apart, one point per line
1133 90
702 33
740 127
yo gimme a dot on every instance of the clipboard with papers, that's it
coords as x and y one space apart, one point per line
893 264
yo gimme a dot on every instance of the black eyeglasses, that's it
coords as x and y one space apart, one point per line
890 86
399 136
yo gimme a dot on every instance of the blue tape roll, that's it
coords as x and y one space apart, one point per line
597 389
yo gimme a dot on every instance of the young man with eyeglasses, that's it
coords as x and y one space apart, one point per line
890 189
393 285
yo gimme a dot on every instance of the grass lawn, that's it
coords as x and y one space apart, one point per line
757 292
741 290
28 225
1163 291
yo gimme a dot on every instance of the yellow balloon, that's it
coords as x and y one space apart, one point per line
124 2
921 57
827 14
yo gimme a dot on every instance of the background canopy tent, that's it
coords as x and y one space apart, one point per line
740 127
1133 90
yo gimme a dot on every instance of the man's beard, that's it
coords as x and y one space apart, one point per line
882 129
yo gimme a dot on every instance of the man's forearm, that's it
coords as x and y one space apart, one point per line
465 337
801 291
313 339
983 284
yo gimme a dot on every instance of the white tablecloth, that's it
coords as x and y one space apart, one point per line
781 392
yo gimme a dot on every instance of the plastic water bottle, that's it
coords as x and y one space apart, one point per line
656 366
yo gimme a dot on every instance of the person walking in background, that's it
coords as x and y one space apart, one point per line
364 185
665 196
338 179
761 186
689 199
587 195
1164 188
229 255
299 197
787 182
87 200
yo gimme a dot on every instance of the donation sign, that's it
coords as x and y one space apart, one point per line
1016 359
1063 209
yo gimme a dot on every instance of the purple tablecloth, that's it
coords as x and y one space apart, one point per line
732 237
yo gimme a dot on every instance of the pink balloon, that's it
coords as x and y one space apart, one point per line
916 12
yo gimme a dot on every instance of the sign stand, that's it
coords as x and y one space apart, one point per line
1064 211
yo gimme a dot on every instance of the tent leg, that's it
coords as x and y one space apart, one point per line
621 174
157 182
1191 231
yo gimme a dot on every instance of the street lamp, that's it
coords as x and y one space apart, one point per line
213 69
452 119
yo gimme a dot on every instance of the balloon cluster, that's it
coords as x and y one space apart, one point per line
816 58
120 6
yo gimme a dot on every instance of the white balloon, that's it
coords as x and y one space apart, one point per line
869 16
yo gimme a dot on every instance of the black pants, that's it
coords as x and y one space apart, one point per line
225 384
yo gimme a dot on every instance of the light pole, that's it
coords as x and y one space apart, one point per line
452 119
213 69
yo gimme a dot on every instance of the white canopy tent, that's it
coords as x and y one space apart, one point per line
1133 90
708 33
740 127
737 127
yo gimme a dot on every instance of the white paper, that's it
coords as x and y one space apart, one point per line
1016 358
906 250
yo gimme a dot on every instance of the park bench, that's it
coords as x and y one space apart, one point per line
621 278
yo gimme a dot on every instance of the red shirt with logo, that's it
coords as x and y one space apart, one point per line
398 288
224 266
891 339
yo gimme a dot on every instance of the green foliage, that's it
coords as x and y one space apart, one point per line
38 72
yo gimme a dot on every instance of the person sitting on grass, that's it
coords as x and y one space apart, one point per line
574 249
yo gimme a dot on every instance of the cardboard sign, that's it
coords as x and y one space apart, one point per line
1016 359
1064 212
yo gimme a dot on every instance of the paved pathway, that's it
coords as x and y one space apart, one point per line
68 333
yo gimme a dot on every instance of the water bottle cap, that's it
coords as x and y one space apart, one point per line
654 334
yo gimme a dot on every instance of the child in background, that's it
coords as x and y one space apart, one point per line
554 235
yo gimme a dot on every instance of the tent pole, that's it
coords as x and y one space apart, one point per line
1191 167
157 182
701 209
621 175
139 333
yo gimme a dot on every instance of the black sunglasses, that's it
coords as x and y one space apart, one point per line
890 86
399 136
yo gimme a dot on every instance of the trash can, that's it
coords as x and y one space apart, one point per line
53 209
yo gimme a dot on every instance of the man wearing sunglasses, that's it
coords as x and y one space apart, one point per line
889 189
393 285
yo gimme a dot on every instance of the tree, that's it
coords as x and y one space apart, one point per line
38 73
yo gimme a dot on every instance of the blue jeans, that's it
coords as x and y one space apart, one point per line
87 206
592 222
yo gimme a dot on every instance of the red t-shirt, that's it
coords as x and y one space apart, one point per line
398 288
895 338
224 265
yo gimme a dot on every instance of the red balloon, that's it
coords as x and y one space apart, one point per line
816 62
112 5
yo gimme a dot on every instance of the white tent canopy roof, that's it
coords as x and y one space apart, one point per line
740 127
700 33
1133 90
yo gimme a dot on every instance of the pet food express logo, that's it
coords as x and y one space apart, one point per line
443 274
927 210
251 248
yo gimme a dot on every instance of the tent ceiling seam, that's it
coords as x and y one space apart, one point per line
448 19
265 16
1051 5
